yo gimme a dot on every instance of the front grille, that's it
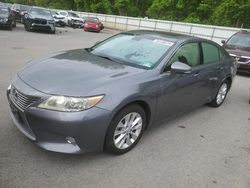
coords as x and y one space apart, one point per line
240 58
39 21
244 59
21 100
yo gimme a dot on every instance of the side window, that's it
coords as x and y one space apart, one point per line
211 53
188 54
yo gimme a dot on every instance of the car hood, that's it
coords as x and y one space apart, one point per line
42 17
73 73
91 23
75 18
238 52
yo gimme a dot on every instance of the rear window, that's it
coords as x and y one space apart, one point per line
211 53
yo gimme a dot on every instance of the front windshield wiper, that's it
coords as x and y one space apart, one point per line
106 57
88 49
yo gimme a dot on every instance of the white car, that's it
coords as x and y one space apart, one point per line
60 20
72 19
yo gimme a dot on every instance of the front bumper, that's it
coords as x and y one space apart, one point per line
51 129
90 28
38 25
243 67
4 23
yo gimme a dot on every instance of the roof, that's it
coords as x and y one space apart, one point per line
167 35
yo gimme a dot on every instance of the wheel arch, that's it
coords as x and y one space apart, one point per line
142 103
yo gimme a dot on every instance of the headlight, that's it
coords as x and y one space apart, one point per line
9 88
96 26
5 20
86 25
70 104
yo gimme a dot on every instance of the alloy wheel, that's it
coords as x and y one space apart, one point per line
221 93
128 130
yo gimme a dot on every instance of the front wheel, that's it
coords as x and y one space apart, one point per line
125 130
221 95
27 26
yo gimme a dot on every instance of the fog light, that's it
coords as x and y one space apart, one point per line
71 140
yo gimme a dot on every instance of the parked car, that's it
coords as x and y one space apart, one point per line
76 21
238 46
39 19
60 20
19 11
104 97
93 24
72 19
7 18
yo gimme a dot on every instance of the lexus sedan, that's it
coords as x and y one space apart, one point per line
39 19
238 46
106 96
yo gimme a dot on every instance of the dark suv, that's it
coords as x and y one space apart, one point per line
238 46
39 19
7 18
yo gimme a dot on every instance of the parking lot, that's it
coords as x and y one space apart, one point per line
208 147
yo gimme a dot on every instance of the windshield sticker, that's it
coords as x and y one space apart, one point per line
163 42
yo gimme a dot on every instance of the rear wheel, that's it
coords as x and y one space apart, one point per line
221 95
125 130
14 23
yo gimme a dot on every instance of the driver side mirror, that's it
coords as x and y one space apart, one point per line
26 16
180 68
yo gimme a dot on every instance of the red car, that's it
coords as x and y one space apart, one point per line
93 24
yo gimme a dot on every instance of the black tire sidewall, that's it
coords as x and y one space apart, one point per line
109 142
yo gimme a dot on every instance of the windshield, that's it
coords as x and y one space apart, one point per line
4 12
73 15
63 13
136 50
24 7
40 12
241 40
92 20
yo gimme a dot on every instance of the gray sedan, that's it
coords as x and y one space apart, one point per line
106 96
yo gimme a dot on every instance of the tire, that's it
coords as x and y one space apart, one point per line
10 27
27 27
220 95
122 135
14 23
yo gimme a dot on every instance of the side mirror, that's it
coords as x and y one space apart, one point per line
180 68
26 16
223 41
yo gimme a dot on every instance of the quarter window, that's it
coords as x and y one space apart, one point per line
211 53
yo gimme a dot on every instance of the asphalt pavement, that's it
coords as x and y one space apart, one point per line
205 148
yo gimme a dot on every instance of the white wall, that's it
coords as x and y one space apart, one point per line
214 33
